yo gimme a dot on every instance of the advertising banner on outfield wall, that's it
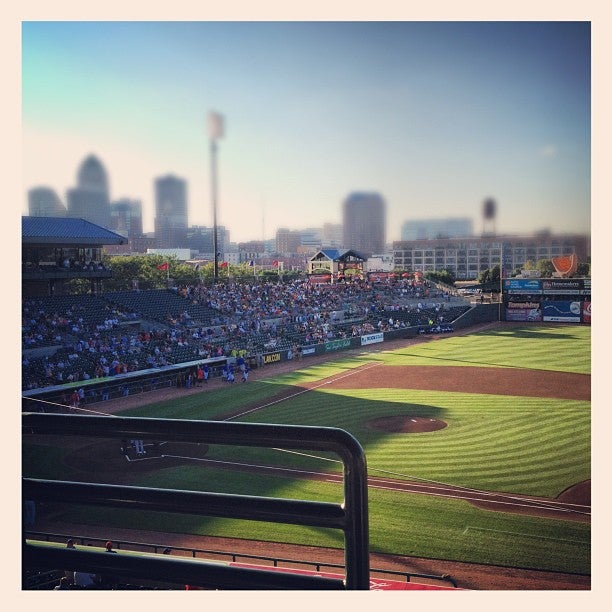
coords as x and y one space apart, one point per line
524 286
586 312
562 311
372 338
586 286
524 314
562 286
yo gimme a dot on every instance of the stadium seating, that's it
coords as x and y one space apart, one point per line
75 335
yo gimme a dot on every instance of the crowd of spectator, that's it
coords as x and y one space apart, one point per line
96 337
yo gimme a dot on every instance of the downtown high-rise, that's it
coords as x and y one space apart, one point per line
90 198
170 212
364 223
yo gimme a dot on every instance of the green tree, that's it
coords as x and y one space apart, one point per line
583 269
442 276
529 265
545 268
484 277
144 268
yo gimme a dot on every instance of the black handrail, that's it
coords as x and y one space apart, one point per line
351 516
167 549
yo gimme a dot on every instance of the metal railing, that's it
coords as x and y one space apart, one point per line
350 516
211 554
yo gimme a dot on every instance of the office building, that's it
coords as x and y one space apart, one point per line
288 241
170 212
363 220
126 217
466 258
44 202
201 240
90 198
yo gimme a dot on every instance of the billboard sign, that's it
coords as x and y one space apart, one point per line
564 311
586 286
372 338
524 314
586 312
562 286
271 358
338 345
524 286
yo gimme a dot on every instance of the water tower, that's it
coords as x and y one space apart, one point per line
489 210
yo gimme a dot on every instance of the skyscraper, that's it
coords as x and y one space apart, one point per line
170 212
90 198
44 202
364 220
126 217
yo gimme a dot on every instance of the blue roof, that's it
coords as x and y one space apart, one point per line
336 255
66 230
332 254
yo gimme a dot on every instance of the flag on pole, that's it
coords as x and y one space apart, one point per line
275 263
223 264
251 263
163 266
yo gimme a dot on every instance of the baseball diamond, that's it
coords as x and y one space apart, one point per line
294 386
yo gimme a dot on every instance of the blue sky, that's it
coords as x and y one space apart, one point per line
435 116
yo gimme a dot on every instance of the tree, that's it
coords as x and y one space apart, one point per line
495 275
441 276
529 265
484 277
144 269
545 267
583 269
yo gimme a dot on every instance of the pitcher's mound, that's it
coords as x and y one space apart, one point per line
406 424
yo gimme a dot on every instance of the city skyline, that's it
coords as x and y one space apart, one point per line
434 116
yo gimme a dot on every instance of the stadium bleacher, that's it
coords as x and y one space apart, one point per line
70 338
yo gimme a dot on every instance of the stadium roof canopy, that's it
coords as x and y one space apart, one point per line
66 230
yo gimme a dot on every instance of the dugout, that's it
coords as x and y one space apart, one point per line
121 385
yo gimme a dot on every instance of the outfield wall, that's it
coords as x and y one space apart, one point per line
557 300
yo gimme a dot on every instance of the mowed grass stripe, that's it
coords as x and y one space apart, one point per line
536 446
558 348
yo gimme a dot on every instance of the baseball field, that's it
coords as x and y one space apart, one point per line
478 448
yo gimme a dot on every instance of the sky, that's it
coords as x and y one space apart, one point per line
435 116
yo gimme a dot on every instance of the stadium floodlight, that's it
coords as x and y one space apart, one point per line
215 125
215 131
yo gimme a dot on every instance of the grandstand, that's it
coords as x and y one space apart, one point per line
81 338
102 337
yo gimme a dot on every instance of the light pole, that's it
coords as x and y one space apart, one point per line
215 131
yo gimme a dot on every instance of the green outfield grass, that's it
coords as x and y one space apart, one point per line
559 348
513 444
